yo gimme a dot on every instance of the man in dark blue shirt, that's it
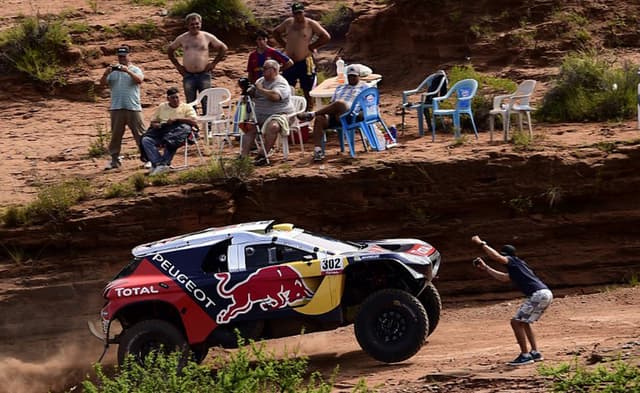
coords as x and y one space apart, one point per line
539 296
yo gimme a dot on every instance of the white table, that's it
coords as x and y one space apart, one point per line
328 86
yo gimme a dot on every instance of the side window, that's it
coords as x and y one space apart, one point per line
216 260
272 254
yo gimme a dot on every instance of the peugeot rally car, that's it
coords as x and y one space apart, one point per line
266 281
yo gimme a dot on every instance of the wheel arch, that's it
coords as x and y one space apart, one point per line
152 309
365 277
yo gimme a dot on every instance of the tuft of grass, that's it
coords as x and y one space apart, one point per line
590 88
98 146
607 147
36 48
219 14
520 204
139 181
521 140
52 203
145 30
93 4
619 377
157 3
120 190
17 255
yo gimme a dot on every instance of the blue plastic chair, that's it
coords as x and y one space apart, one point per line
433 86
363 115
464 90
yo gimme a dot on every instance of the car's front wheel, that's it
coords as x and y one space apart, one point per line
147 336
392 325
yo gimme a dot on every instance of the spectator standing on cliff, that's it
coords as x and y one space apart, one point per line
539 297
124 80
196 67
262 53
296 34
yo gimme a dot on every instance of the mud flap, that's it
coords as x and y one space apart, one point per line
100 336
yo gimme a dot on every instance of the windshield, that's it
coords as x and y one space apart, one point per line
326 243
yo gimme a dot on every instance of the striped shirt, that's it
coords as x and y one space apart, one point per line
348 93
125 92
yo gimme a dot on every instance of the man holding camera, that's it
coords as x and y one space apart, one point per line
272 109
124 80
539 297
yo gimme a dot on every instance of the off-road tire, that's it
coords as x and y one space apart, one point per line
392 325
430 299
152 334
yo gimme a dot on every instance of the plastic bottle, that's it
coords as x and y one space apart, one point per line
340 70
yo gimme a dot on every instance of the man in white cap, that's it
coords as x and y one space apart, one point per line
329 115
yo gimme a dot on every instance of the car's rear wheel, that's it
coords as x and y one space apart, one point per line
430 299
147 336
391 326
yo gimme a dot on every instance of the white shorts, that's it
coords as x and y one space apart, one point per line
533 308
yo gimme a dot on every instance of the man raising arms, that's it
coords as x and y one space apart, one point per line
196 66
296 35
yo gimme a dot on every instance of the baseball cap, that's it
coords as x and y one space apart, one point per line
171 91
123 50
508 250
353 70
297 7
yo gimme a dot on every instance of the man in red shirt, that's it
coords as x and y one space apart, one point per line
262 53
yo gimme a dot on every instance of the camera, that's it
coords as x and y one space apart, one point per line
476 262
247 87
115 67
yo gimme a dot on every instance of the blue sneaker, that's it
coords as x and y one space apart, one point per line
521 360
536 356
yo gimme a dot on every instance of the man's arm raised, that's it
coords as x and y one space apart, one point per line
323 35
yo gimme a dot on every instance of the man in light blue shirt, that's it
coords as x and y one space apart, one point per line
124 80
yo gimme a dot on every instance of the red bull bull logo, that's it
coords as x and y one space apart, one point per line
272 287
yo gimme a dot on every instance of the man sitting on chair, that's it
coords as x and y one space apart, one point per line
272 106
329 115
171 124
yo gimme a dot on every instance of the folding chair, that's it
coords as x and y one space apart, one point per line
192 139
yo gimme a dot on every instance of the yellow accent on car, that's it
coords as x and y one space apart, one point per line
283 227
327 296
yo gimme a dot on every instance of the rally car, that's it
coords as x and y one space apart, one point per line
271 280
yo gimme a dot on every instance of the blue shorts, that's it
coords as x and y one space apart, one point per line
304 71
533 308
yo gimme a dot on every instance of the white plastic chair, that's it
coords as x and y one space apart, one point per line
192 139
516 103
300 105
217 120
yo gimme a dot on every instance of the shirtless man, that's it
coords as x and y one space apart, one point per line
296 35
196 66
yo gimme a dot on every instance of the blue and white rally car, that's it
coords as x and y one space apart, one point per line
267 280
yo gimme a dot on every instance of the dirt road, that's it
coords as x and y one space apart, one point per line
467 353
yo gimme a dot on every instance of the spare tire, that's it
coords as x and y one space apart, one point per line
392 325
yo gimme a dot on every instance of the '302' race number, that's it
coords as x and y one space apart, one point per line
331 266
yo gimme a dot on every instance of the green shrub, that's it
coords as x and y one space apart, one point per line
591 89
14 216
145 30
36 47
338 20
620 377
217 14
248 369
139 181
